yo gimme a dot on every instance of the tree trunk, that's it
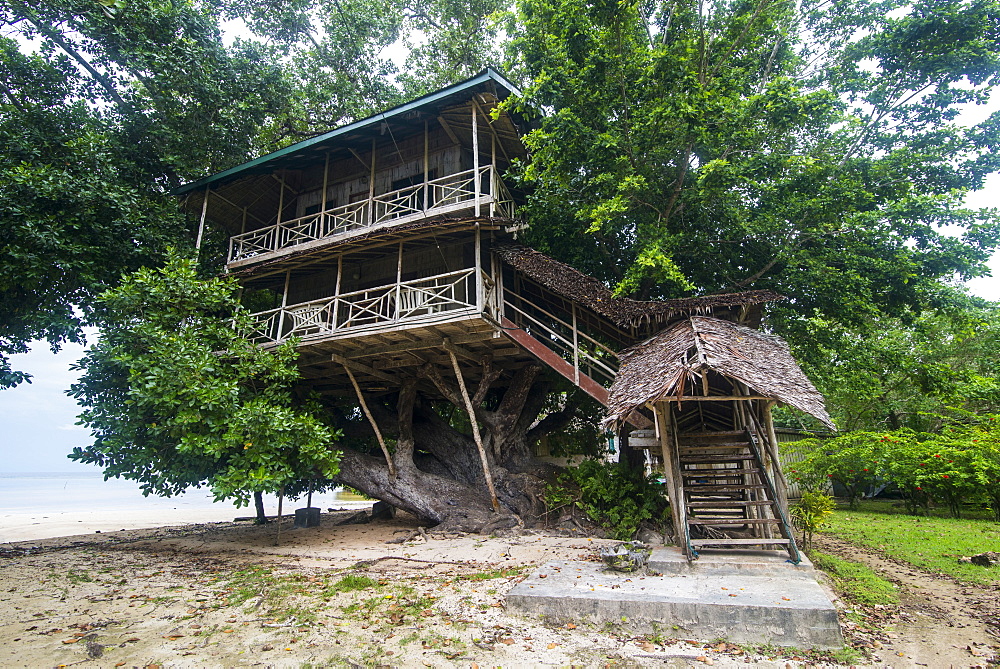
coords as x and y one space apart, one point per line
440 474
258 502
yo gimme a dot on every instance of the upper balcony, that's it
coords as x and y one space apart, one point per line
441 154
458 193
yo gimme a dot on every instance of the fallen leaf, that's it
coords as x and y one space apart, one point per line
552 645
507 642
570 626
70 640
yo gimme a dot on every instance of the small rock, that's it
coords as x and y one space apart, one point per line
650 537
94 650
383 510
987 559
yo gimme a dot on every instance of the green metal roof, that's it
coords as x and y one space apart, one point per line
429 100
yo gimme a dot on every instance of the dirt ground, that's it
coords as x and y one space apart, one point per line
939 623
224 595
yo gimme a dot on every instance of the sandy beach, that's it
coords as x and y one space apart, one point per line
222 594
377 594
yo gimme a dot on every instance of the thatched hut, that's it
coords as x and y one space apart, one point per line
711 384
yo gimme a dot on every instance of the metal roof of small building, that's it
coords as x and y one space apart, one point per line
487 80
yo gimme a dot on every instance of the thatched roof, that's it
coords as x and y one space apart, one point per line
587 291
665 364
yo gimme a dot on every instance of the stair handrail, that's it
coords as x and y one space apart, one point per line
793 549
675 456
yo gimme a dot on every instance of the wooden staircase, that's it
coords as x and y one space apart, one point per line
728 499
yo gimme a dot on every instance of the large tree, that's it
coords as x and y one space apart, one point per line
678 147
104 106
812 148
176 396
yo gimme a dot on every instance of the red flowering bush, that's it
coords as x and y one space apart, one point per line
959 466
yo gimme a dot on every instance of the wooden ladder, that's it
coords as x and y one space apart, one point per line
728 497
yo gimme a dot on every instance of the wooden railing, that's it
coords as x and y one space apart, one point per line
450 193
586 354
433 299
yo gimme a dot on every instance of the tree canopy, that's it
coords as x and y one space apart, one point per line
810 148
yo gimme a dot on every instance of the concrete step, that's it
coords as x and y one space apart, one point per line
775 602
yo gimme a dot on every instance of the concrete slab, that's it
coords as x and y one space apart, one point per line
701 604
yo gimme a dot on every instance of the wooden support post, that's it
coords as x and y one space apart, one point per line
427 169
479 269
576 349
281 499
243 222
399 281
201 221
475 154
371 188
671 474
371 420
475 428
780 483
322 206
281 199
336 292
284 303
493 175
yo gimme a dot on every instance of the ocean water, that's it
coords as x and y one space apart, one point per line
54 504
55 492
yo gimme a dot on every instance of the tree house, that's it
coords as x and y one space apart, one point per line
388 245
388 249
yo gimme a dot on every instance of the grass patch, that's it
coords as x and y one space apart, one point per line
351 583
856 581
281 597
929 543
490 574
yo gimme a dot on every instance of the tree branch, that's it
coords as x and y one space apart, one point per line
106 83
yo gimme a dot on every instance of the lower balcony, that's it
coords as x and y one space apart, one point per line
453 296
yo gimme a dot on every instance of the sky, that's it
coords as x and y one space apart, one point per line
38 420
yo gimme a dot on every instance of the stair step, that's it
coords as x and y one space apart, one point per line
738 542
719 472
733 521
717 433
719 444
735 503
711 488
706 459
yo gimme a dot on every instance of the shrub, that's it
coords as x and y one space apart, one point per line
613 496
811 512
